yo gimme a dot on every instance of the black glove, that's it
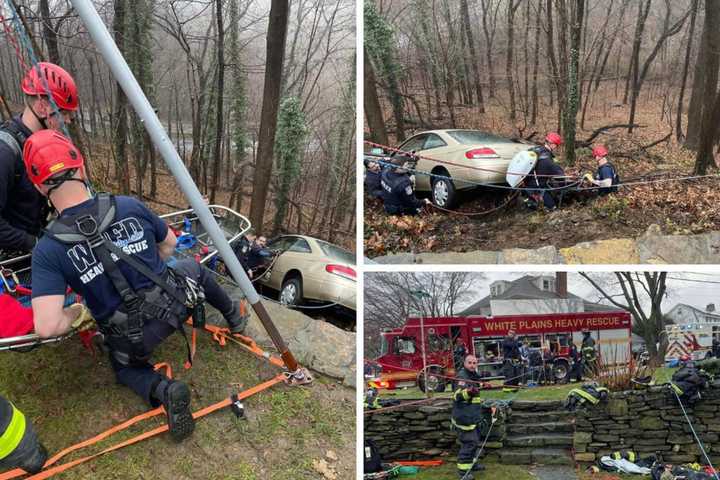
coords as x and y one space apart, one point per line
473 391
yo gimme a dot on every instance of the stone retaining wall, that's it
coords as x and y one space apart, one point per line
422 432
315 344
646 421
651 248
649 422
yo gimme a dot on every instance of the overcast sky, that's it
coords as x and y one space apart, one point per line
680 289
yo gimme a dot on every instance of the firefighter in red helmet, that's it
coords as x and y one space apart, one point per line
111 250
606 176
545 169
23 211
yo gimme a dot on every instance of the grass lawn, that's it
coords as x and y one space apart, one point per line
546 392
71 395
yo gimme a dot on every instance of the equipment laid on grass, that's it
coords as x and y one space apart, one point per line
588 394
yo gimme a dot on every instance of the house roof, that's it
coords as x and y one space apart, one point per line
524 289
694 309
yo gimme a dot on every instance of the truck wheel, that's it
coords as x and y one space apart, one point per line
561 371
435 382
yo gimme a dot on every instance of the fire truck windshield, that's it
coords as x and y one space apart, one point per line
383 345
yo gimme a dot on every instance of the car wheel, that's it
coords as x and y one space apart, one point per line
291 291
443 192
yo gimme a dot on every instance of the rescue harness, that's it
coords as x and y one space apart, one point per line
169 300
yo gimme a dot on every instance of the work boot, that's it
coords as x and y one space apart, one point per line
465 475
175 397
235 321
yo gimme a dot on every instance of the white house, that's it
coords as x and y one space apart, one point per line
683 314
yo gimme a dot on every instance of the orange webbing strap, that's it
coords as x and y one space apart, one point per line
221 334
97 438
156 431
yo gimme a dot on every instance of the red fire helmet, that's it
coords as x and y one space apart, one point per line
553 137
47 153
61 85
600 151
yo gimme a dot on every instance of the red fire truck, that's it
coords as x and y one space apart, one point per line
401 359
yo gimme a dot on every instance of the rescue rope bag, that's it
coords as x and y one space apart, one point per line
163 301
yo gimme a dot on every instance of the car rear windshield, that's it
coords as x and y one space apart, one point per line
337 253
471 137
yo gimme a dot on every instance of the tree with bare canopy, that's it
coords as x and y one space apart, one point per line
643 293
392 297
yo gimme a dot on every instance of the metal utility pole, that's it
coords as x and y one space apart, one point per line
121 71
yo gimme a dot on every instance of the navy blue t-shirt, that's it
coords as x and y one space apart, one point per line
136 230
606 171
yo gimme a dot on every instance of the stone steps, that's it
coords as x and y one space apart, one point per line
538 433
542 440
546 427
541 456
534 418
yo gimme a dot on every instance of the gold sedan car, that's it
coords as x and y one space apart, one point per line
465 157
310 269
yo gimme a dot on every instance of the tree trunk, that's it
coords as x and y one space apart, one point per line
122 169
573 100
373 112
711 116
217 156
473 55
688 52
512 6
49 33
536 62
277 32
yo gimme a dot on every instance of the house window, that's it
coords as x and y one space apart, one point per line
546 285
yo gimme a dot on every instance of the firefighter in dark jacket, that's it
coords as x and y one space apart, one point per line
467 417
373 172
398 192
589 355
544 170
512 364
576 367
23 210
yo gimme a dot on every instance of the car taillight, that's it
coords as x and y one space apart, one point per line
342 271
481 153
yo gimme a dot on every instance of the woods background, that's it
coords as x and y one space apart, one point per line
227 77
519 67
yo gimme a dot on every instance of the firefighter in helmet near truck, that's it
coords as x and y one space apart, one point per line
512 364
467 417
589 354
